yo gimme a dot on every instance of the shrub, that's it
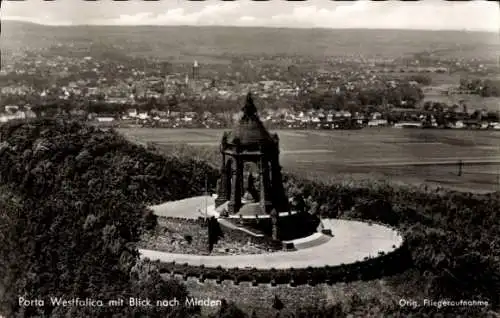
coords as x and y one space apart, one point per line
277 303
230 310
188 238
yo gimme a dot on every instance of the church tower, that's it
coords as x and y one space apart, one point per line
195 71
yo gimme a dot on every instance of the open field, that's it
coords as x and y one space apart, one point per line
398 155
437 79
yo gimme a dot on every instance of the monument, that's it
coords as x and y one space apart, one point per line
249 208
250 142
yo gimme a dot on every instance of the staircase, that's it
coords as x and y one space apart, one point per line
230 225
310 241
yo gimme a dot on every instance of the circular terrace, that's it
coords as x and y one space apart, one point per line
352 241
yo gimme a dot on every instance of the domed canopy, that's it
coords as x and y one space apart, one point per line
249 130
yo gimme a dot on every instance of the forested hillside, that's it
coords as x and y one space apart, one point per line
72 206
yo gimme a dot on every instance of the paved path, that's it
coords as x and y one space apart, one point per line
352 241
441 162
187 208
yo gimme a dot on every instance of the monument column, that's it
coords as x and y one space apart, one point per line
267 185
236 186
224 177
263 186
222 183
237 182
241 176
232 201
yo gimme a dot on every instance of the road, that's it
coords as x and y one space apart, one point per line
426 162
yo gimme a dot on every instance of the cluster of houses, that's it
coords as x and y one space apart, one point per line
278 118
282 118
13 112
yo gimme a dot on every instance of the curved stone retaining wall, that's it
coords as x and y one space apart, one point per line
384 264
363 263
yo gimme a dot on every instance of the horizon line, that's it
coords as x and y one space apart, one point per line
250 27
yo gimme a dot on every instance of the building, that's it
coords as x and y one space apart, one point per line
105 119
5 117
196 71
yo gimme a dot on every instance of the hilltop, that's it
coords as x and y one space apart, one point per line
73 201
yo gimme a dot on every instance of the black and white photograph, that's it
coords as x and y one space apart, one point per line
249 159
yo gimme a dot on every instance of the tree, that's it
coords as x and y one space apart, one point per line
427 105
277 303
492 116
214 232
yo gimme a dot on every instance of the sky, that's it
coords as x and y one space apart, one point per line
478 15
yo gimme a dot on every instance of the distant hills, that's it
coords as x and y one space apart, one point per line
165 41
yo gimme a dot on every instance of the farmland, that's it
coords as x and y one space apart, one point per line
399 156
176 43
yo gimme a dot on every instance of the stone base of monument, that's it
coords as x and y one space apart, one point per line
276 244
